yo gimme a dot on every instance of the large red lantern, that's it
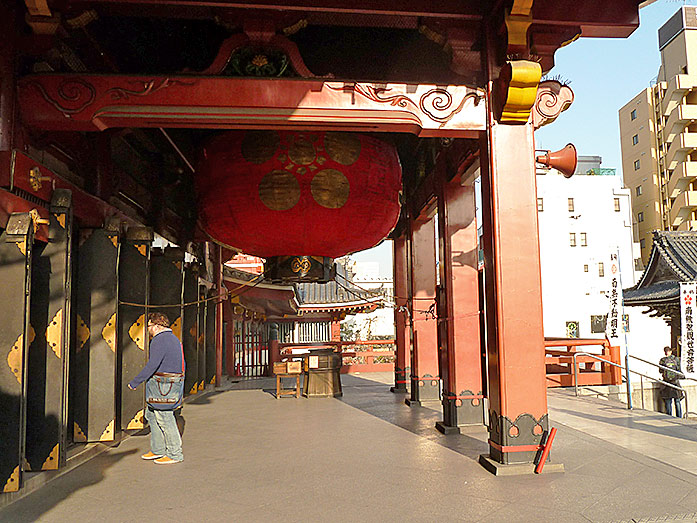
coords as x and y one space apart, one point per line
287 193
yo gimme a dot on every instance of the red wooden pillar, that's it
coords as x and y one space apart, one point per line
401 289
8 57
459 336
425 381
517 392
335 328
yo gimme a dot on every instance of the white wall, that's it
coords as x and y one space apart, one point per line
569 293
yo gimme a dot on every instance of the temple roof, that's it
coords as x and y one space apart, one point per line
673 260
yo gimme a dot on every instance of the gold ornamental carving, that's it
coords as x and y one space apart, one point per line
108 434
36 179
12 484
137 332
517 90
109 333
60 218
54 334
22 246
137 421
83 332
194 389
114 239
142 249
51 462
552 99
78 435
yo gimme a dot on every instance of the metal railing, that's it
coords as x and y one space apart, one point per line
629 400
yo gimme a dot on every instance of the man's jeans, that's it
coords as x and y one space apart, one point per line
164 435
669 406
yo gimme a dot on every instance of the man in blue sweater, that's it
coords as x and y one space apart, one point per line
164 390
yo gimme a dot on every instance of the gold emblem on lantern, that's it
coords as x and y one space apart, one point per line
343 148
279 190
259 146
300 265
330 188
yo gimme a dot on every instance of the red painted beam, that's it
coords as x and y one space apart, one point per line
98 102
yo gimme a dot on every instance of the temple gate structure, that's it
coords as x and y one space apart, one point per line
112 116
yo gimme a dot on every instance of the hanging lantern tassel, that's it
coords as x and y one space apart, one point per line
545 452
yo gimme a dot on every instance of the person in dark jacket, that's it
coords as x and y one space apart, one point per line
164 373
672 376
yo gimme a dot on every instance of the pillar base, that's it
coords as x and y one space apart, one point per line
446 429
401 389
516 469
412 403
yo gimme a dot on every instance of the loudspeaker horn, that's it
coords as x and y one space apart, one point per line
563 160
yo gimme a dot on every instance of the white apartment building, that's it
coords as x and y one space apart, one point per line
582 220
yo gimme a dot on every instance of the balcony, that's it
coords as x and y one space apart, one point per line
675 90
681 209
684 174
683 144
682 116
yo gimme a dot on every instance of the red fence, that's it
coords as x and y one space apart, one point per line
560 367
357 356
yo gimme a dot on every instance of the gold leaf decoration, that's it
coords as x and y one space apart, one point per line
330 188
201 386
279 190
54 334
22 246
109 333
137 421
213 380
177 327
142 249
12 484
78 435
259 146
114 239
194 389
83 332
302 152
15 358
178 265
108 434
51 462
137 332
343 148
60 218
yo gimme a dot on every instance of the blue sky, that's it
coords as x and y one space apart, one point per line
605 73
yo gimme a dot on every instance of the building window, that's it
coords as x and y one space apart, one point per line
642 243
571 205
585 268
617 205
638 190
640 217
572 329
635 139
637 165
584 240
601 269
572 239
540 206
632 115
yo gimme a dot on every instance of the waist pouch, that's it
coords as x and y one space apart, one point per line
164 391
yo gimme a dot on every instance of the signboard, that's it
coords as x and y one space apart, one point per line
613 328
688 294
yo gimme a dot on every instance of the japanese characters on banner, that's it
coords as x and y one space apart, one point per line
614 326
688 293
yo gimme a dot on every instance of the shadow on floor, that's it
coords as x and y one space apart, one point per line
31 507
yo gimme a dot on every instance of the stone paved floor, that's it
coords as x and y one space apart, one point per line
369 457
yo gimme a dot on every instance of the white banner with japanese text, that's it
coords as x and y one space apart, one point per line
688 293
614 326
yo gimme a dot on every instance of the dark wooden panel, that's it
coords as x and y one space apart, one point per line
190 332
15 336
167 285
210 338
134 285
49 352
94 380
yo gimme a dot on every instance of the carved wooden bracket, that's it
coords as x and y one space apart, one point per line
552 99
517 90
